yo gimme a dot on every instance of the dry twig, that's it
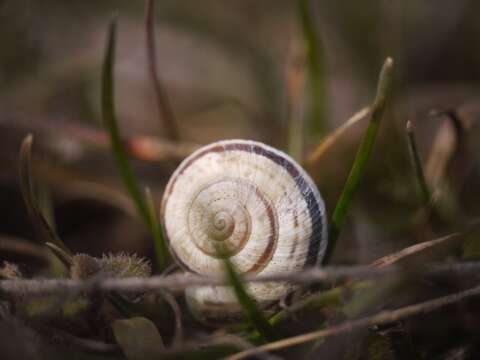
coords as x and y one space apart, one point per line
327 275
174 282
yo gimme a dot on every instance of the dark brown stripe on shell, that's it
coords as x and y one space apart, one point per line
272 241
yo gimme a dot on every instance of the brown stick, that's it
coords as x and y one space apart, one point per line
327 275
181 281
167 117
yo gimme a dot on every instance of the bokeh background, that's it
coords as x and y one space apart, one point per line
231 69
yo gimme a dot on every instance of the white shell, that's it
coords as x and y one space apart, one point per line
255 200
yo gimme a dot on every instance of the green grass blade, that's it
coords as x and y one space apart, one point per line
119 153
363 154
316 64
412 147
40 222
161 248
250 308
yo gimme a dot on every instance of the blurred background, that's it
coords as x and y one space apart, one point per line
238 69
263 70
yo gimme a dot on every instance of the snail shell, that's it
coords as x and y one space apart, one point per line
254 200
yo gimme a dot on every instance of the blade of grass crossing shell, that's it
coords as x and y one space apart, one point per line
41 224
119 153
363 154
250 308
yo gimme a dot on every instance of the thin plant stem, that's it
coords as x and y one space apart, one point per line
361 159
118 151
412 147
414 249
46 231
316 63
165 110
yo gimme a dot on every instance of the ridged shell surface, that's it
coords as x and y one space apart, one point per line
254 200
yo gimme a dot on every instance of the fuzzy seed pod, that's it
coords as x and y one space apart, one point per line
111 265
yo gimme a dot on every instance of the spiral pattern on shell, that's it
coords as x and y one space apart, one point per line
255 201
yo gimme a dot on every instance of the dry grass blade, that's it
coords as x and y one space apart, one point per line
450 159
411 250
41 224
363 154
412 146
444 145
380 318
165 110
122 162
327 142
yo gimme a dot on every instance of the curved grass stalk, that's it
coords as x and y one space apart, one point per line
46 231
361 159
119 153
